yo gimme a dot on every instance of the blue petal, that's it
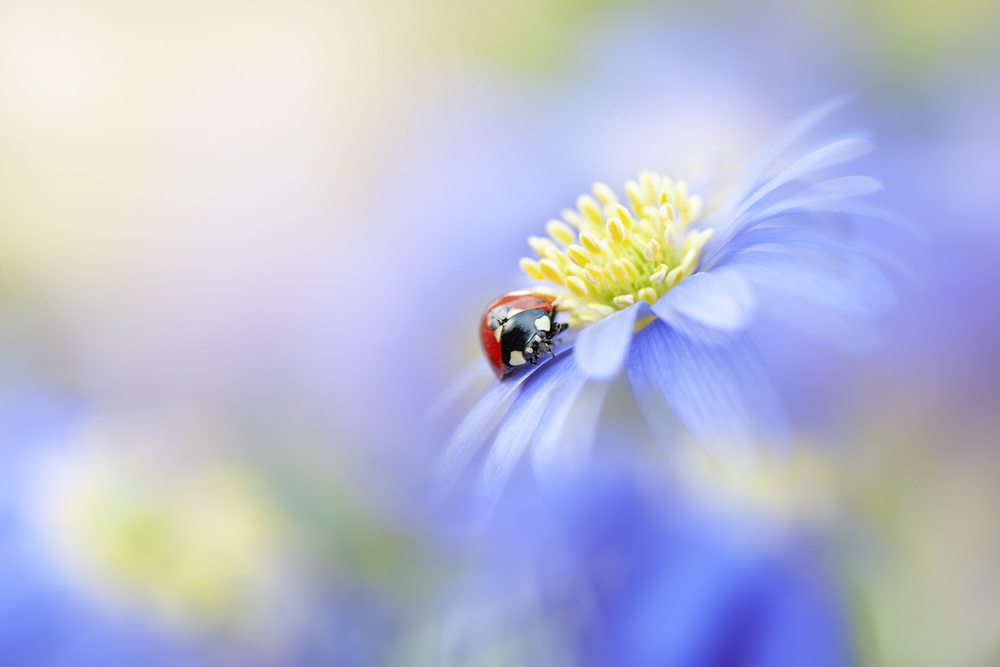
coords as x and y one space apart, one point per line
600 348
519 426
867 210
753 172
849 333
822 270
472 431
813 198
469 377
563 441
827 196
829 155
720 393
721 299
790 241
886 259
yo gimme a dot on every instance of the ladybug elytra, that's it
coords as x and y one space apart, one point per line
517 329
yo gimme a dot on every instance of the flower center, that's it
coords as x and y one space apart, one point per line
603 256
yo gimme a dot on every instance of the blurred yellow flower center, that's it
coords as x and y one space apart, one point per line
604 256
198 550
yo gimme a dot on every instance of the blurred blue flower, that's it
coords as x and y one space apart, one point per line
669 297
606 570
117 549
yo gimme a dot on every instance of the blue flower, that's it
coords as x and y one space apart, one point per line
668 295
609 570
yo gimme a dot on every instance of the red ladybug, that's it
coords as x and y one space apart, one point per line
516 330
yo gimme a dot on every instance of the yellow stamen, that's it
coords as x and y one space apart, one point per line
670 234
690 257
672 277
634 195
624 216
572 217
560 231
630 268
578 255
578 286
591 243
699 240
651 186
680 196
590 208
594 274
656 220
617 269
606 255
600 309
651 251
540 245
551 270
649 295
531 269
605 194
615 230
624 300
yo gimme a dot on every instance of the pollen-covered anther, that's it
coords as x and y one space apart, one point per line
531 269
605 194
651 186
652 250
560 231
630 268
600 309
624 216
591 243
690 257
594 274
681 195
649 295
700 239
670 234
590 208
616 230
556 256
578 255
607 249
577 286
671 278
541 245
572 217
616 268
634 193
607 255
551 270
623 300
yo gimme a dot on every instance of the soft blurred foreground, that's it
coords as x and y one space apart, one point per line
243 249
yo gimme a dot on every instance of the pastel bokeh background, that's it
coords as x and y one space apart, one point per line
243 246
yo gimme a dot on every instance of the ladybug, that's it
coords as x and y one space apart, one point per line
517 328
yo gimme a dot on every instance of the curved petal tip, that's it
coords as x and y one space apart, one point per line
601 347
